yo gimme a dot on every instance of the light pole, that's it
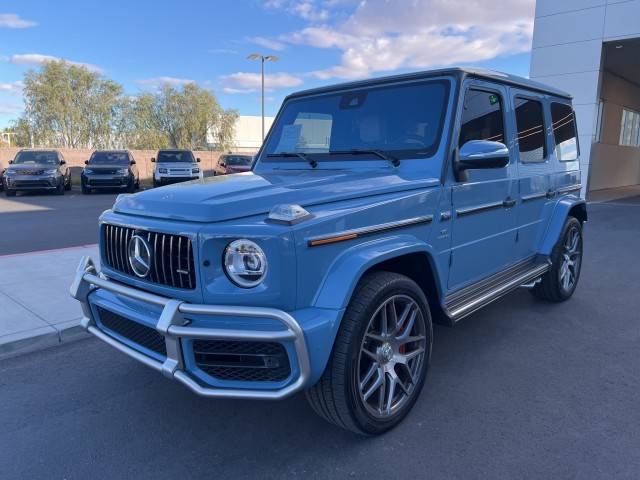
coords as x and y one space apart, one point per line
262 58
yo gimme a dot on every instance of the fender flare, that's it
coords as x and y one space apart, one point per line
348 268
558 218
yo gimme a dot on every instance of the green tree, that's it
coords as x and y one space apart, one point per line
69 106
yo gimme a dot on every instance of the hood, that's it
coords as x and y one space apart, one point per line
31 166
226 197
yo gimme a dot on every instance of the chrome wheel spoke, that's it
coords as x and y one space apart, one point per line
370 354
377 385
415 338
391 394
405 358
372 370
375 336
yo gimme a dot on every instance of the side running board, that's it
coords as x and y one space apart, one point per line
467 300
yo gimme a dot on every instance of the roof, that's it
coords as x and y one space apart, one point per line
491 75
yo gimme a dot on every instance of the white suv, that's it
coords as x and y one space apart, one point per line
173 166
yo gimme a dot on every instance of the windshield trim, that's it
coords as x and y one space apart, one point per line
406 154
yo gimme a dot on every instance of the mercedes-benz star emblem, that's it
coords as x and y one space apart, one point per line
139 256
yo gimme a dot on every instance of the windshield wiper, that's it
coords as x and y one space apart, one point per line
301 155
361 151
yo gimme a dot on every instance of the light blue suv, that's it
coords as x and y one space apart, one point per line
373 209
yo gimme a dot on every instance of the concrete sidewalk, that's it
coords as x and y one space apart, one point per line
36 310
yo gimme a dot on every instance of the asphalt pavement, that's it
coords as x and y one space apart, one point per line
35 221
522 389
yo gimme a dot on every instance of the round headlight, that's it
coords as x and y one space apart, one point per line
245 263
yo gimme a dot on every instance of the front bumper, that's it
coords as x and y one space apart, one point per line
32 182
172 326
107 181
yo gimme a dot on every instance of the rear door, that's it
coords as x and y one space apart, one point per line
485 223
535 168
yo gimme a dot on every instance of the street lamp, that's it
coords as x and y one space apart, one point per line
262 58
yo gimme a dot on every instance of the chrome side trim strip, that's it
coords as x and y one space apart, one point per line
570 188
173 327
533 196
461 212
359 232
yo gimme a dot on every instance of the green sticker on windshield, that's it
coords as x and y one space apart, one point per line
493 99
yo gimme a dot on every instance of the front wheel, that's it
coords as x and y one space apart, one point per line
559 283
68 185
380 357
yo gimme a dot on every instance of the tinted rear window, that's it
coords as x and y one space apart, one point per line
531 132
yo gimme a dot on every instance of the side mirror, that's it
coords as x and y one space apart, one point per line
198 160
63 162
133 162
10 162
153 159
86 162
482 154
223 165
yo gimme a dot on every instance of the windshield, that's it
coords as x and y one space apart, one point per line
176 156
402 120
33 158
238 161
109 158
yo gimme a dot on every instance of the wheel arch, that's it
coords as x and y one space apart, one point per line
567 206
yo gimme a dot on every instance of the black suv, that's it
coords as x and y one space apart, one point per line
110 169
37 170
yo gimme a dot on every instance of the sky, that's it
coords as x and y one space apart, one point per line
142 44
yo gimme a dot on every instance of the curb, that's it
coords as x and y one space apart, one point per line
30 341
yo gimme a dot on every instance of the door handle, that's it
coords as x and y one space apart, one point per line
508 202
550 194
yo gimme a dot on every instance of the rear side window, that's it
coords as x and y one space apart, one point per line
482 117
564 132
531 131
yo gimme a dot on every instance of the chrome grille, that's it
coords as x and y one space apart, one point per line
172 262
30 172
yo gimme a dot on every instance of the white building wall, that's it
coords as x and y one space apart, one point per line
247 136
567 53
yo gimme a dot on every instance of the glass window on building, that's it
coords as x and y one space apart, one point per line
630 128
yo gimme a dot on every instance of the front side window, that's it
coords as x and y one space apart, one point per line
564 132
630 128
403 120
109 158
531 132
175 156
482 117
37 157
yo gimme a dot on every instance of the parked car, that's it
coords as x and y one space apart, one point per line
373 209
37 170
112 169
233 163
173 166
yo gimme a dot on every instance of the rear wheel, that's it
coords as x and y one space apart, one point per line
559 283
380 356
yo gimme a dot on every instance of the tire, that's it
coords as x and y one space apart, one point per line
559 283
131 187
85 190
337 396
68 185
10 193
156 184
60 188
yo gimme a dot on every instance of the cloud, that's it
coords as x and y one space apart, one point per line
228 51
39 59
11 20
244 82
310 10
269 43
157 82
8 108
13 88
384 35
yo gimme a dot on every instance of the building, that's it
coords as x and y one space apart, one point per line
591 49
247 136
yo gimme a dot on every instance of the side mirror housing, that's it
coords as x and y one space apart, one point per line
198 159
482 154
63 162
133 162
10 162
153 159
86 162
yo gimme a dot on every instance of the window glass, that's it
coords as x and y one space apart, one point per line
40 157
177 156
109 158
531 132
630 128
564 132
404 120
482 117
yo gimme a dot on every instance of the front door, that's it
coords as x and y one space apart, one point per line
485 220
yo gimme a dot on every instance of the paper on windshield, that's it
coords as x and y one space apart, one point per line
289 138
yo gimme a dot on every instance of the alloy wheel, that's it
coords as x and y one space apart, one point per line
392 355
571 256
